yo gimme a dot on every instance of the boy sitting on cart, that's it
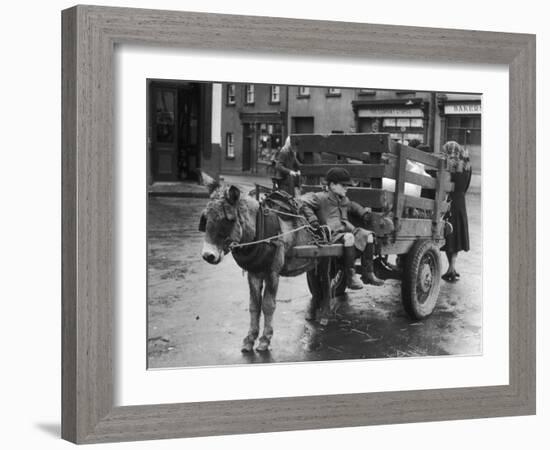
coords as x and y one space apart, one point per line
331 208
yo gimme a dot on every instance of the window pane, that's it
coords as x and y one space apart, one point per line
418 123
275 91
249 93
403 122
453 135
466 122
164 118
475 137
388 123
230 147
453 122
230 93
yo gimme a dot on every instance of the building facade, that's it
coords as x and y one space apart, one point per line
253 126
256 119
460 121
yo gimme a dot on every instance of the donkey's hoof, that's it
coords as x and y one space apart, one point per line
323 321
248 345
263 346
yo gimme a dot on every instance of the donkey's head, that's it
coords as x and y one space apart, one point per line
221 222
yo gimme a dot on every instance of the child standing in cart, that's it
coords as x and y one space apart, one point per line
332 209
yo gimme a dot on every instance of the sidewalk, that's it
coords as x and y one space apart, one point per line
177 189
194 190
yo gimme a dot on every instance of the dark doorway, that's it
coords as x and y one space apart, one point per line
175 130
302 125
163 133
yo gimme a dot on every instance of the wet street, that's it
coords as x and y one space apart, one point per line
198 313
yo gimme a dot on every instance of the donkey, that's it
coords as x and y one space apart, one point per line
230 219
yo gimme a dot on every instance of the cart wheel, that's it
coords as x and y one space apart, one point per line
420 285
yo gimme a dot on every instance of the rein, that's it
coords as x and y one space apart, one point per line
235 245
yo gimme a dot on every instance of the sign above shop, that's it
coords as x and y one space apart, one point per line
391 112
463 108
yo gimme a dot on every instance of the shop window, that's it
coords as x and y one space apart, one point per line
275 94
404 130
402 122
249 94
466 130
230 146
269 141
231 99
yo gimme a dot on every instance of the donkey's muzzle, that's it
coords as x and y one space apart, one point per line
210 258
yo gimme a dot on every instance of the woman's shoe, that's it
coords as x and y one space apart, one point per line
450 277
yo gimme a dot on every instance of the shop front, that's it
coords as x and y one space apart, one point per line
461 122
263 137
406 122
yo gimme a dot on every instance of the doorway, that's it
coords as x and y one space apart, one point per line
175 130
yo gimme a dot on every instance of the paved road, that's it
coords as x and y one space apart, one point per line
198 313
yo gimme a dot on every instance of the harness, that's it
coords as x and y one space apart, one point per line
256 256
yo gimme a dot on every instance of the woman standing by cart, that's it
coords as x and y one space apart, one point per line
458 164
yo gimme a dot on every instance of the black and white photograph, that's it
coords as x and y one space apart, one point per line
291 224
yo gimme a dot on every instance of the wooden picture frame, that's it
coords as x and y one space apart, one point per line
89 36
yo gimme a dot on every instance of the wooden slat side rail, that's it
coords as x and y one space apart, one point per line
370 171
399 199
432 161
318 251
426 204
381 199
421 180
440 196
373 198
357 171
350 144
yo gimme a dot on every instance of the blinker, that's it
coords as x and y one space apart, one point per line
202 223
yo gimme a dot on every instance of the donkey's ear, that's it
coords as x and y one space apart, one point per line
233 194
211 183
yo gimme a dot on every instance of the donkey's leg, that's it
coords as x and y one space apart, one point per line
255 285
315 290
324 280
268 308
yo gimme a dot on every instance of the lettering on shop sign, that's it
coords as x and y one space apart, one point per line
466 108
384 112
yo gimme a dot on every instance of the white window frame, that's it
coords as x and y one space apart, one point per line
230 145
231 97
303 91
332 91
249 94
275 94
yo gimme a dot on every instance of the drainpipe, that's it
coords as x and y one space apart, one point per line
431 122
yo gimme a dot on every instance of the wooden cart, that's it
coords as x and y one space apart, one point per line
409 226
